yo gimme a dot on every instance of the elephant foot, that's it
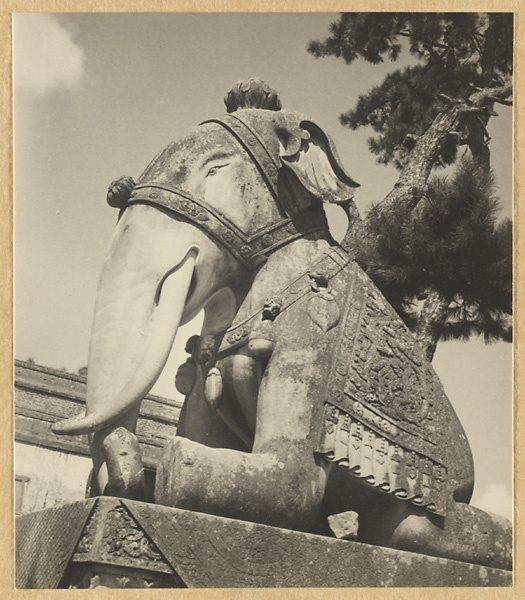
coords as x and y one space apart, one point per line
124 465
283 491
467 534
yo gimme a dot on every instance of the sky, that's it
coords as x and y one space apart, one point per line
98 95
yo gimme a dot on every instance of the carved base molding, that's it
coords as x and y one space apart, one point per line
112 543
95 577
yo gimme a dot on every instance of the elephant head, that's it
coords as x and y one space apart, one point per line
195 229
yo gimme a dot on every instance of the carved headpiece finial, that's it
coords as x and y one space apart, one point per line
253 93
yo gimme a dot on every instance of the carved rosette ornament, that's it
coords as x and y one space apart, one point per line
115 552
125 539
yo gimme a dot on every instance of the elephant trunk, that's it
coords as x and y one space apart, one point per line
141 297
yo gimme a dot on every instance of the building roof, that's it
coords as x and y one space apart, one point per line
44 396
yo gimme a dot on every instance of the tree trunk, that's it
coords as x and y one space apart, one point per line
428 328
412 182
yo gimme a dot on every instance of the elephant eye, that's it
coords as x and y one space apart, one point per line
215 169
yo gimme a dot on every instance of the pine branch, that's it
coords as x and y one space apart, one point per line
433 43
492 94
500 100
424 155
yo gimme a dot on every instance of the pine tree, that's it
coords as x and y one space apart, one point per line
464 67
433 245
445 266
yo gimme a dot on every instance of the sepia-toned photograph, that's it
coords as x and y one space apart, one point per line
263 291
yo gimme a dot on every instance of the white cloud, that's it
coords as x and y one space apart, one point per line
495 498
45 54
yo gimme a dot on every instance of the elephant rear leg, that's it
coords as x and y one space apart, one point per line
466 533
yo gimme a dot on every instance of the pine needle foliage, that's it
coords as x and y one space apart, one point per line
456 53
434 246
450 244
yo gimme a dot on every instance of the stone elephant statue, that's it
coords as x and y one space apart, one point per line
306 395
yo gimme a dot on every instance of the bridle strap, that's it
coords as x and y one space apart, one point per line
251 251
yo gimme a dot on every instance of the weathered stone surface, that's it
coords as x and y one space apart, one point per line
387 418
344 525
97 579
113 537
124 462
253 93
166 547
45 542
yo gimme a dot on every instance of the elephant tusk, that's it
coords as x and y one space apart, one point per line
162 330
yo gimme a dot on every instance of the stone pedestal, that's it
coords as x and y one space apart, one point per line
114 543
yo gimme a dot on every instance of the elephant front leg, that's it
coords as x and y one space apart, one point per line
117 462
282 489
279 483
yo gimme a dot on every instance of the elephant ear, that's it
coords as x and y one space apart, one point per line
307 151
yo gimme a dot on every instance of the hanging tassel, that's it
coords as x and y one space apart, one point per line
185 377
213 388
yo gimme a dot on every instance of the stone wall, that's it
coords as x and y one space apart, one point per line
47 478
52 470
